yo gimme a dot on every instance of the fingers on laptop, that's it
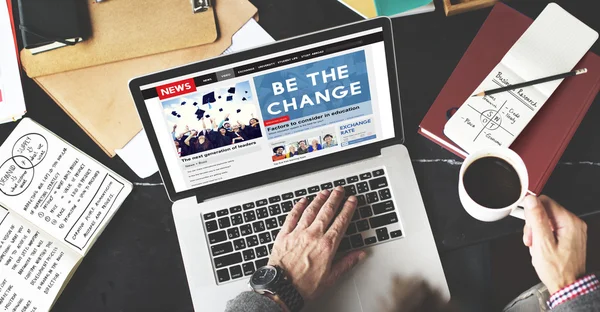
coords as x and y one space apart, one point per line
310 213
328 210
321 213
293 217
340 224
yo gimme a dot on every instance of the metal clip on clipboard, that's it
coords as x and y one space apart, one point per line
200 5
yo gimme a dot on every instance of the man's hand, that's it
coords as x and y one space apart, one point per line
558 257
306 245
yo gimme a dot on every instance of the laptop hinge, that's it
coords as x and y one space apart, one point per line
349 158
362 155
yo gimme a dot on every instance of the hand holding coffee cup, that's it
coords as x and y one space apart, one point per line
492 184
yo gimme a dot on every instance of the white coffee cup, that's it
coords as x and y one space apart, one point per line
480 212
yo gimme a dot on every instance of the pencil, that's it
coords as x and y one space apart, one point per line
532 82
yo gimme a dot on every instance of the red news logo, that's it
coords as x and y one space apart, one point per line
176 88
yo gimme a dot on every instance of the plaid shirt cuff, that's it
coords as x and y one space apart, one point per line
580 287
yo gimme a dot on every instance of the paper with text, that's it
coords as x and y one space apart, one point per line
33 265
57 188
55 203
553 44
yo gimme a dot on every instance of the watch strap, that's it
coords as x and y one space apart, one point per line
289 295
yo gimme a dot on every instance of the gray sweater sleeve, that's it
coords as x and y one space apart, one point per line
588 302
250 301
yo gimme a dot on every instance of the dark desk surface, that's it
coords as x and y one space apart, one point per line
136 264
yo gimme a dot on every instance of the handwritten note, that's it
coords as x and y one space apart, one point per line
553 44
33 265
55 203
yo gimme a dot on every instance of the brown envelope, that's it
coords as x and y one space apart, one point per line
98 99
125 29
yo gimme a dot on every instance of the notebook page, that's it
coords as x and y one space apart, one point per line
496 120
56 187
33 266
554 44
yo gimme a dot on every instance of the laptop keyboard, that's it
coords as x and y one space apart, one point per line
241 237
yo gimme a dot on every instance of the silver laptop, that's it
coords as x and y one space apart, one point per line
239 139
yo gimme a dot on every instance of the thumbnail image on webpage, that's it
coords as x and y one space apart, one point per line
304 143
214 117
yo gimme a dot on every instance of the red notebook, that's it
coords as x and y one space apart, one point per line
12 22
545 138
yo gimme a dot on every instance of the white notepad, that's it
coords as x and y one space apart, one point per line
553 44
54 203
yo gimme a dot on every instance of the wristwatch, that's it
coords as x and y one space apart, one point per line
272 280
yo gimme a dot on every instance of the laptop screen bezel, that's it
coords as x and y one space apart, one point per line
288 171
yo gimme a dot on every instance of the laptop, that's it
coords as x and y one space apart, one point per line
240 138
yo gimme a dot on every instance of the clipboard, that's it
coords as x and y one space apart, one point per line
97 98
126 29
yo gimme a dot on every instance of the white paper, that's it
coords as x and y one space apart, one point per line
553 44
12 102
55 201
57 188
137 154
249 36
33 265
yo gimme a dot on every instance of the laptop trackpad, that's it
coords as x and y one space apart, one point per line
343 297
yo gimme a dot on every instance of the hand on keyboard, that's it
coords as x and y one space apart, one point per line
307 243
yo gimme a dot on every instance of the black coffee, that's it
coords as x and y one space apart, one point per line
492 182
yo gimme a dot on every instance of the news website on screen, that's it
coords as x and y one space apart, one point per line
272 111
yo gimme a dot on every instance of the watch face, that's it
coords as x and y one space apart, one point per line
264 276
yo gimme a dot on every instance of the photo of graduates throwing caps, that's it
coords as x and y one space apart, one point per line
212 119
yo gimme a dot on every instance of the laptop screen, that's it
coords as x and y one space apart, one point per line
272 111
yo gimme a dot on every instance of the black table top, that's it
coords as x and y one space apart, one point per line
136 264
